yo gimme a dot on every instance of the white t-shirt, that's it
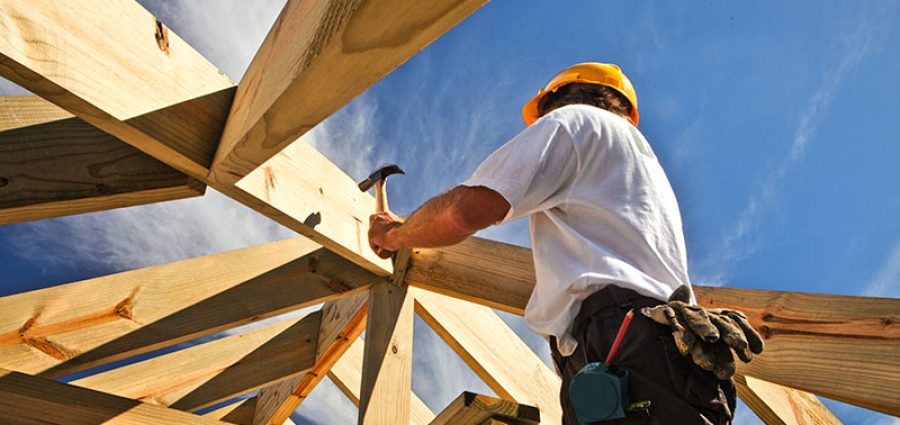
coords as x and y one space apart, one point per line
601 212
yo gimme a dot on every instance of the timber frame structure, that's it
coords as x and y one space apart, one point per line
146 119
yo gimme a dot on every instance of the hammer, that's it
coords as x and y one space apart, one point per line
378 178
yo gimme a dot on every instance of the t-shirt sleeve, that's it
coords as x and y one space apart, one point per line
532 171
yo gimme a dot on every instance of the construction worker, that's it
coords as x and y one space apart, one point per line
607 238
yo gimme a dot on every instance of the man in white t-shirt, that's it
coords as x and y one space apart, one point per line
606 236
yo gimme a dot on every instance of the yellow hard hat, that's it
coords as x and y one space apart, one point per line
604 74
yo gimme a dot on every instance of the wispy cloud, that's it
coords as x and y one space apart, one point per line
886 280
862 36
135 237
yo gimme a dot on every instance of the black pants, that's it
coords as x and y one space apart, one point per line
680 392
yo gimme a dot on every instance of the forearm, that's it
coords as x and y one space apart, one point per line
432 225
450 218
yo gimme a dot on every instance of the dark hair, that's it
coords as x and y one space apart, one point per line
587 94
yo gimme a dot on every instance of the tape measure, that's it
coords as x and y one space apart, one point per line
599 391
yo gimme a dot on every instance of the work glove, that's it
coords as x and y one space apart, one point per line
707 335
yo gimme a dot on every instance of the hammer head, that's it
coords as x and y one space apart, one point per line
380 173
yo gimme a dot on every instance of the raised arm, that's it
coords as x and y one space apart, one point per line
444 220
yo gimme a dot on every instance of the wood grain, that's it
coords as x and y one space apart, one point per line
838 346
493 351
64 329
29 400
841 347
778 405
486 272
238 413
347 376
212 372
387 360
476 409
53 166
343 321
323 202
317 57
116 66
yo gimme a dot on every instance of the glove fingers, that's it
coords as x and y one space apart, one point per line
754 340
725 366
703 355
697 320
730 331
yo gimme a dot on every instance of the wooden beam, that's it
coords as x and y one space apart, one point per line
53 164
306 192
841 347
343 321
172 104
347 376
476 409
316 58
838 346
29 400
486 272
148 87
778 405
209 373
238 413
496 354
61 330
387 360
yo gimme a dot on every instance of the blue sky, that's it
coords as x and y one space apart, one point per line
777 123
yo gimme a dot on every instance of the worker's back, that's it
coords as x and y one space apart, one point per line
601 212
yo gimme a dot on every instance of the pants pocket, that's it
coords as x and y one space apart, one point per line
713 398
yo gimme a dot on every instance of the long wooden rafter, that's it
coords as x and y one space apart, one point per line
64 329
779 405
152 91
212 372
347 375
54 164
28 400
486 343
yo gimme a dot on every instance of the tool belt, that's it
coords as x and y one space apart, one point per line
612 296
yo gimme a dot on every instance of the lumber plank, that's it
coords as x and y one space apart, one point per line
209 373
486 272
29 400
343 321
842 347
387 360
347 376
779 405
118 68
476 409
315 59
493 351
838 346
321 201
169 103
238 413
53 164
64 329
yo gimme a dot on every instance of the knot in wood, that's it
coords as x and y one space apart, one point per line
162 37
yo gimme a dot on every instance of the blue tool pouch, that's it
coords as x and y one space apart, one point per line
599 391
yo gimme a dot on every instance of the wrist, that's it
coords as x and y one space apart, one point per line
392 238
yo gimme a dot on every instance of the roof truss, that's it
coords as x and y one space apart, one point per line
150 97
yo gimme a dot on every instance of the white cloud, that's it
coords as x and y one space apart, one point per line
862 36
140 236
886 280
